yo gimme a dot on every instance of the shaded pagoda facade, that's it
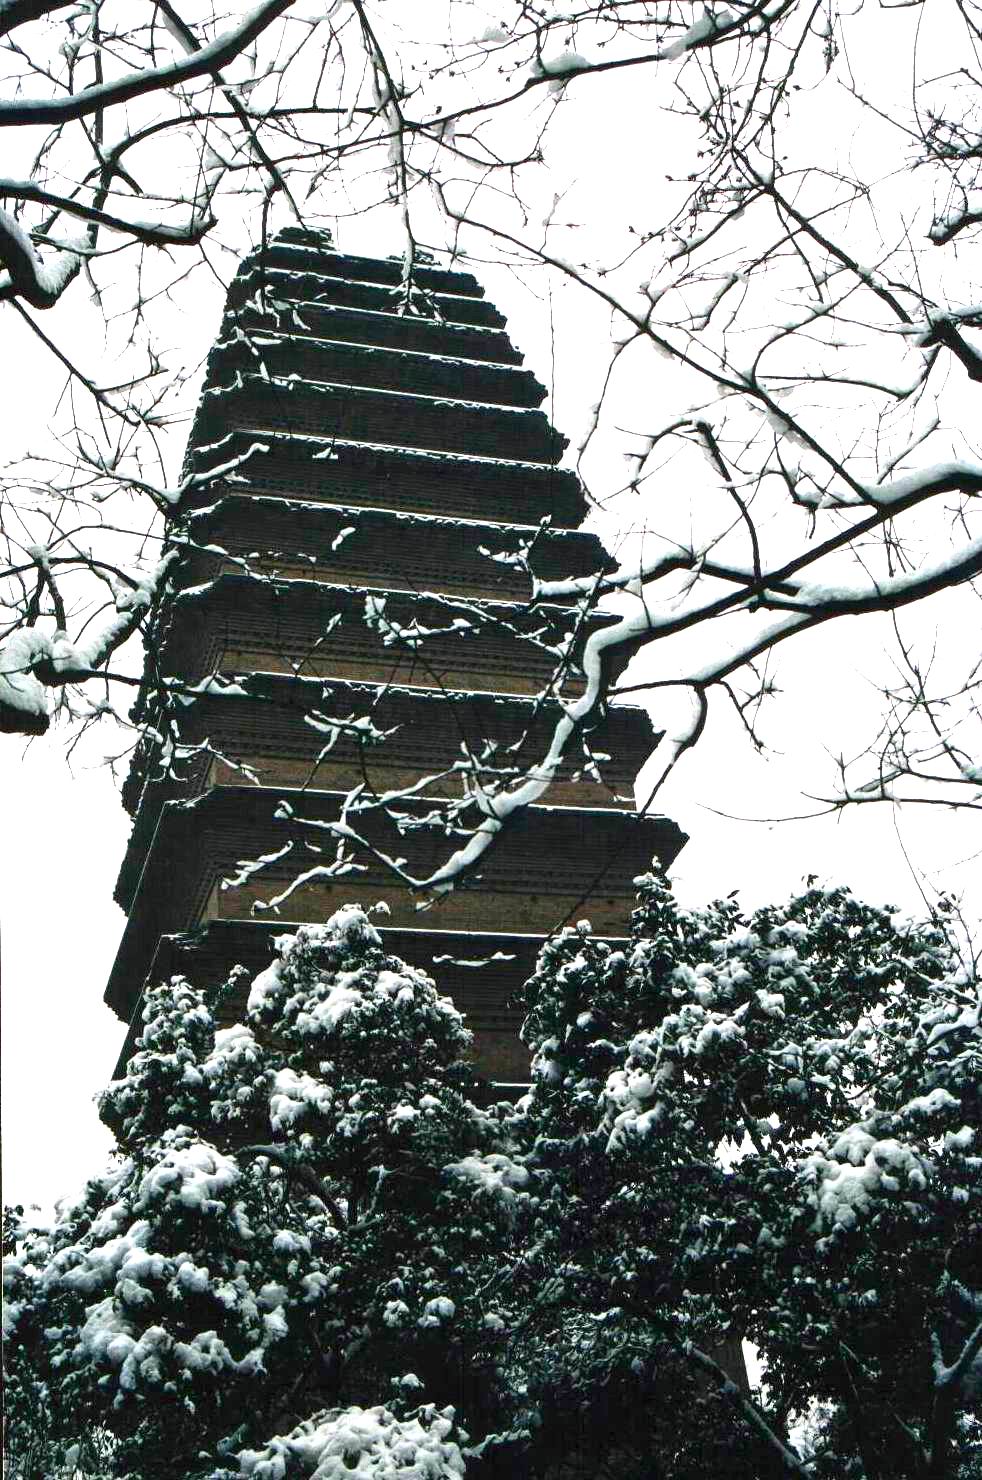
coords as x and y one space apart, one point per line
369 482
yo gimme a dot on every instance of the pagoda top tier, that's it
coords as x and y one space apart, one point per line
302 246
341 377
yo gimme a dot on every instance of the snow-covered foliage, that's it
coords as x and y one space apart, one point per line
769 1127
315 1255
288 1212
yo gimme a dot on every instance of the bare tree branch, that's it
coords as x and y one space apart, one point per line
89 100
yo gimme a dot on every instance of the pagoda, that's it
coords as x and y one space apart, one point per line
369 488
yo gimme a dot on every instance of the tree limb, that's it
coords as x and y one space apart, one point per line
14 13
145 231
744 1406
303 1174
224 49
948 1382
28 275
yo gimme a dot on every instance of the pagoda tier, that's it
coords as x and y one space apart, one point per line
370 475
279 274
370 493
377 368
238 624
548 864
277 729
263 403
371 547
299 250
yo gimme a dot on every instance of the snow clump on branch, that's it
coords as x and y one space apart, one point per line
559 69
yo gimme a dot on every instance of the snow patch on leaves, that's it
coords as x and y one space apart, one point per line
196 1176
856 1170
494 1173
370 1443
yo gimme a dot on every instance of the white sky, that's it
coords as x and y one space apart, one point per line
64 830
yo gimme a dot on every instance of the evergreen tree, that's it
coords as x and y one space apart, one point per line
293 1233
769 1129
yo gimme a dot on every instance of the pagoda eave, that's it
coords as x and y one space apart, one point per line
371 474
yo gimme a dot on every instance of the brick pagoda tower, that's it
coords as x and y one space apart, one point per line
357 453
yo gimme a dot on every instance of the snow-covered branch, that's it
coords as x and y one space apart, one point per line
33 661
149 232
45 112
14 13
749 1410
39 280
